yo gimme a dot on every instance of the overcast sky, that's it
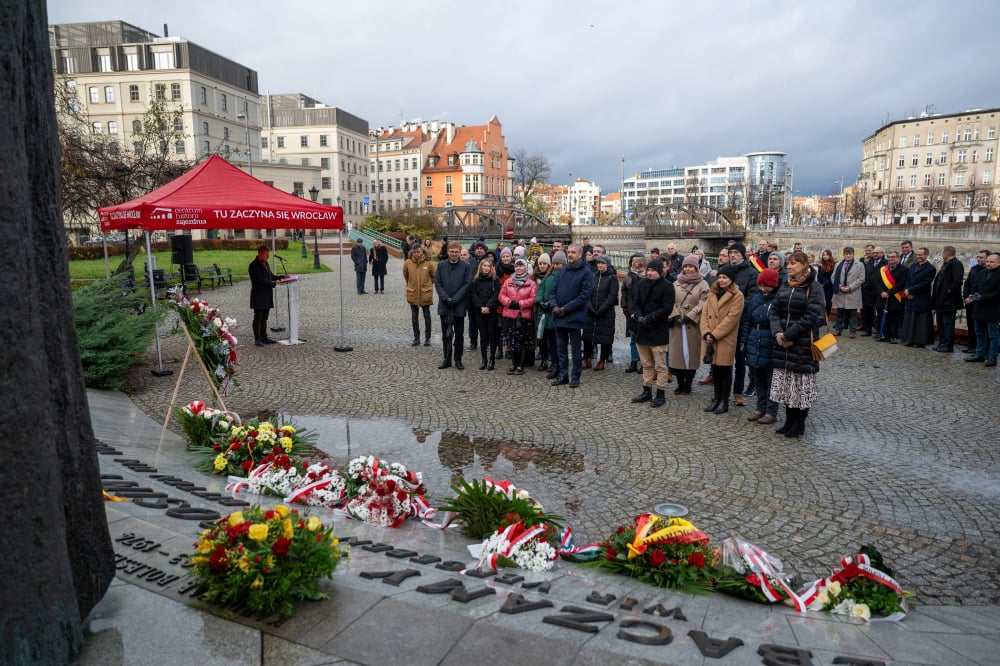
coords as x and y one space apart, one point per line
586 82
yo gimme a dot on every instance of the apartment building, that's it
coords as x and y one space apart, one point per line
299 130
931 168
398 155
468 166
582 204
115 70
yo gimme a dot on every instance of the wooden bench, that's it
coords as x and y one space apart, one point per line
223 278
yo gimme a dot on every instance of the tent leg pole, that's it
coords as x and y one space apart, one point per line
274 269
160 371
340 258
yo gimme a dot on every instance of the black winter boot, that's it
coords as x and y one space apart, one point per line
799 426
633 367
659 400
722 407
645 396
791 416
716 398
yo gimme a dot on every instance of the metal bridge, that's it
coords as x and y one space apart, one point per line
687 219
498 221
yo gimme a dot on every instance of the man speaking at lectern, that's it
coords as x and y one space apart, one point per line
262 284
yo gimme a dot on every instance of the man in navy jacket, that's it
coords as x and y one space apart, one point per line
570 297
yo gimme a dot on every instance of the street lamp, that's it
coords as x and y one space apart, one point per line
244 115
314 194
374 134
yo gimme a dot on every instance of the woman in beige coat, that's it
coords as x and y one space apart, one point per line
690 294
418 273
720 327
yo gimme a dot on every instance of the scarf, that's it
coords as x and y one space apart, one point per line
519 280
688 282
797 282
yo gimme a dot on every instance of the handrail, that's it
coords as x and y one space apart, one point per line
367 235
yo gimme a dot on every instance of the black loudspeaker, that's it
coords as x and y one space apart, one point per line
181 251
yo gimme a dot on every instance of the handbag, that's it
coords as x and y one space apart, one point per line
709 353
823 348
540 332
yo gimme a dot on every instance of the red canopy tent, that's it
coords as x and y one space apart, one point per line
217 195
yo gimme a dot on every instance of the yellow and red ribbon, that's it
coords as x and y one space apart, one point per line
677 530
889 282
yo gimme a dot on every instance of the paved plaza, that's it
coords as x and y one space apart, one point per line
898 452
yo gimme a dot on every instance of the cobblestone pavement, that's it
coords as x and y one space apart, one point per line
898 452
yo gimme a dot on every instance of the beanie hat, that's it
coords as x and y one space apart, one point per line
534 240
729 271
506 251
655 250
545 258
559 257
691 260
655 265
768 278
519 251
522 261
739 247
604 259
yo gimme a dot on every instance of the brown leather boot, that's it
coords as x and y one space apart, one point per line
587 363
599 366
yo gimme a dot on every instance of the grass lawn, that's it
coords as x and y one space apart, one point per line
235 260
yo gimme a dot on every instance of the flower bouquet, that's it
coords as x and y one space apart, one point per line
862 587
748 571
482 508
517 545
212 337
385 494
245 447
264 560
294 481
202 424
670 553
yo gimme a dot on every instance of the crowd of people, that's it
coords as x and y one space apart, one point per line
752 319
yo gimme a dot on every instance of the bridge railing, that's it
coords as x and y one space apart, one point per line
368 235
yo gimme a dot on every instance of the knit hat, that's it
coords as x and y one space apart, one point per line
534 240
768 278
655 250
522 261
655 265
729 271
545 258
482 239
691 260
519 251
559 257
604 259
506 251
739 247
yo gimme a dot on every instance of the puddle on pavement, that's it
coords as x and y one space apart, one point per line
557 475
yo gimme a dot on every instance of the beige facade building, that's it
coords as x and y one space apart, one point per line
932 168
299 130
397 158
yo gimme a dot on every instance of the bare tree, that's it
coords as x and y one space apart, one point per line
58 550
860 204
937 202
529 171
974 190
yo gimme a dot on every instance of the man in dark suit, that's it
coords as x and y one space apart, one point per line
946 297
262 284
360 259
893 276
970 287
870 291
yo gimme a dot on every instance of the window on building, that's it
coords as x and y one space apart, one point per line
961 157
899 182
224 102
179 147
104 62
960 179
323 140
943 157
175 91
912 201
325 182
902 162
204 127
902 142
447 185
225 134
324 162
929 159
281 142
109 94
428 184
987 177
206 147
397 165
163 60
136 126
95 95
989 154
137 148
133 93
203 95
940 180
991 132
967 135
160 92
112 127
913 181
944 137
304 141
925 202
975 134
306 161
263 142
916 140
97 128
927 180
930 138
881 165
954 201
914 160
428 201
226 151
132 62
414 186
178 124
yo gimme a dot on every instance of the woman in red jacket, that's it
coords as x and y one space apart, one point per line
517 296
